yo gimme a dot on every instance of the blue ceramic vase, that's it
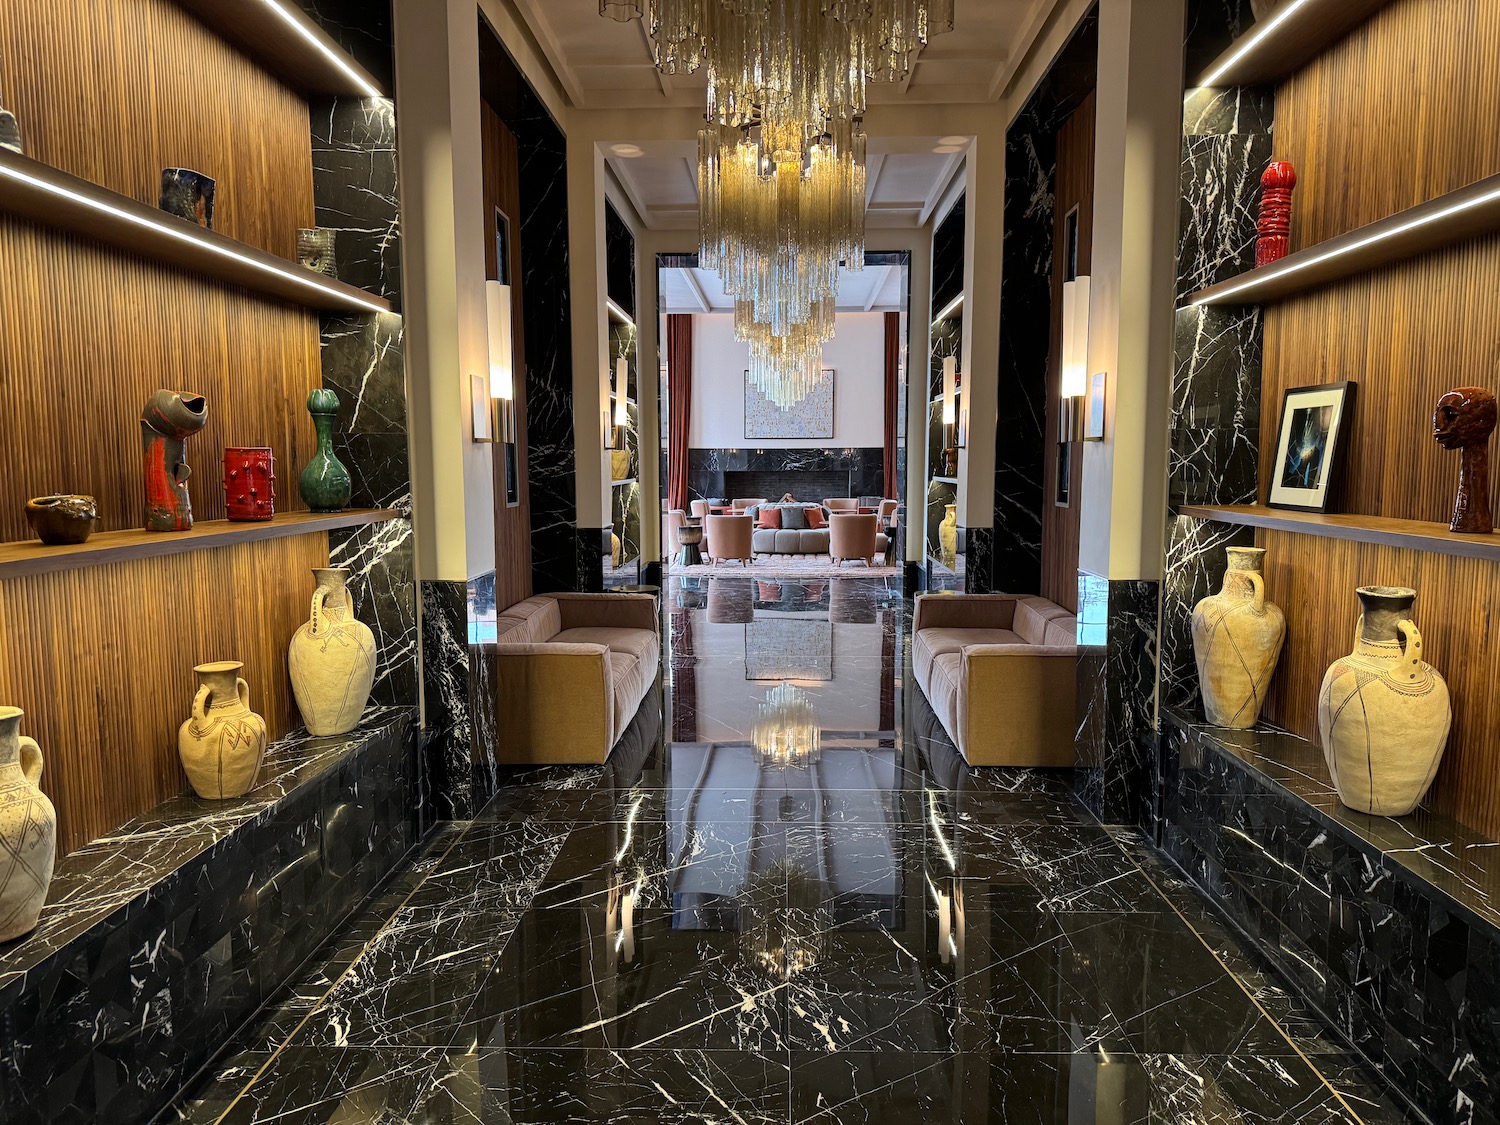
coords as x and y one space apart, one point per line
324 483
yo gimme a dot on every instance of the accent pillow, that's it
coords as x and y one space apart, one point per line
753 511
815 518
770 518
793 517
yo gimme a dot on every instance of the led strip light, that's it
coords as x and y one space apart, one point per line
286 273
947 312
307 33
617 312
1251 43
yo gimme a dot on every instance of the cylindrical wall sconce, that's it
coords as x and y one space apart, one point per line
1074 384
502 356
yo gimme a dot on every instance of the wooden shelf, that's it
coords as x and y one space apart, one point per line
617 483
1466 213
288 45
944 480
1273 49
19 560
1434 538
53 198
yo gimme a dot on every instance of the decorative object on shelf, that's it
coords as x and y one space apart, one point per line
615 549
221 745
1237 638
1383 712
10 130
1312 426
62 519
619 464
1464 420
168 419
332 658
1260 9
315 250
324 483
948 535
1274 229
250 483
28 830
188 195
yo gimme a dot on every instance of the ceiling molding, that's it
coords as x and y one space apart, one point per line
943 186
878 287
697 290
531 12
1042 14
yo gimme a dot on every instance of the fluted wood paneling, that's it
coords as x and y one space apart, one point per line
1314 580
101 660
1074 187
1401 111
114 91
87 336
1405 335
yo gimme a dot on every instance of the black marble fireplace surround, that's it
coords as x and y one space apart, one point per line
808 474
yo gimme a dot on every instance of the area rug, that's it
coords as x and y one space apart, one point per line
788 566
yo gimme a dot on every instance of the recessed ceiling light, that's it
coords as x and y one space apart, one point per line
959 141
629 152
949 148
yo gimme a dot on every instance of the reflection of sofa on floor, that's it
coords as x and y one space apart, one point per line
572 671
1000 672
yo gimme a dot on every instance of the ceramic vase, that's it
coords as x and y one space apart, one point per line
324 484
948 535
62 519
249 484
315 246
28 830
10 131
188 195
619 464
332 659
1237 638
1383 711
168 419
223 742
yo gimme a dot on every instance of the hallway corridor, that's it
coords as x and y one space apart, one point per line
705 931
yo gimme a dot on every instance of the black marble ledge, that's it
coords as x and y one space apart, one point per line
96 886
1428 851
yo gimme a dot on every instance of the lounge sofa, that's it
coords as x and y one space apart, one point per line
800 540
1000 672
572 672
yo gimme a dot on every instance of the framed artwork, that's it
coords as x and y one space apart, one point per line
790 648
1307 448
810 418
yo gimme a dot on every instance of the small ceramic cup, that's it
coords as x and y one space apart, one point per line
188 195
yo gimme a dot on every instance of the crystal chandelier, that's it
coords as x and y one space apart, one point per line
786 731
781 157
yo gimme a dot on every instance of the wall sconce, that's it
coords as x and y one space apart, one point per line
1074 387
950 416
622 405
502 357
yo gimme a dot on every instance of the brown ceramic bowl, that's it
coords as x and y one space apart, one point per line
62 519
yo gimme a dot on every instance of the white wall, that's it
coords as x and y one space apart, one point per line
856 354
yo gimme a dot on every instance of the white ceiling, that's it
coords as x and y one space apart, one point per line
872 289
604 64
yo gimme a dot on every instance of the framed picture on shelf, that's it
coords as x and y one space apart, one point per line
1307 448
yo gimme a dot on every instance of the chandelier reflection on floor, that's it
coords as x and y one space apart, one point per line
781 157
786 728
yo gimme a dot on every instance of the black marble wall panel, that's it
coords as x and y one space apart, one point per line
590 554
1021 443
948 257
355 190
448 773
1117 634
711 472
979 560
361 27
158 942
619 260
1387 927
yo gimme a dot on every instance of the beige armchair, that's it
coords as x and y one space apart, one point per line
852 536
841 504
888 512
675 519
700 508
728 537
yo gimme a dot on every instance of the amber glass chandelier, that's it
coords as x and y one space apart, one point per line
781 156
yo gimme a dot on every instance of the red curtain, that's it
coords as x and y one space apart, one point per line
892 400
680 402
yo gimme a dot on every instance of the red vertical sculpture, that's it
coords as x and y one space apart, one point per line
1274 230
167 420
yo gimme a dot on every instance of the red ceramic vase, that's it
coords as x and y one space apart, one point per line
250 484
1274 230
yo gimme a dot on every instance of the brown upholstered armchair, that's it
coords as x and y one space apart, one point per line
728 537
852 536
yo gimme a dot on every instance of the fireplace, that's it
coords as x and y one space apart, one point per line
808 474
803 484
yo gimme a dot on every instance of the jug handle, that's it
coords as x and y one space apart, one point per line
1410 667
200 703
31 759
242 689
319 615
1258 584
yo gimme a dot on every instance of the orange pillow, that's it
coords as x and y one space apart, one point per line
770 518
815 518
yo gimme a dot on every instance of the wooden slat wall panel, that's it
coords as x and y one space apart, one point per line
502 190
1075 186
1406 335
114 91
87 336
1313 580
1401 111
102 662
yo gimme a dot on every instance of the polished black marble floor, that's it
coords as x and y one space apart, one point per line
700 932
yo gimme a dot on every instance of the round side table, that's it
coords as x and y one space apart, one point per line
691 538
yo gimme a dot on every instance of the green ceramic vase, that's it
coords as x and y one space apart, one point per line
324 483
